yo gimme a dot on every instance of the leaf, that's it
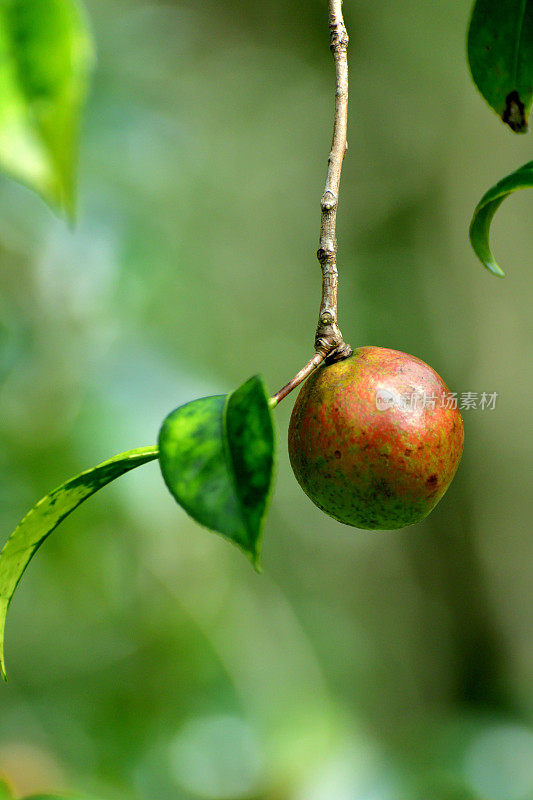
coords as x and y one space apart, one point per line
39 523
486 208
217 458
500 53
46 55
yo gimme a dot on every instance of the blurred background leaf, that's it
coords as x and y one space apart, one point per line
45 58
500 53
359 665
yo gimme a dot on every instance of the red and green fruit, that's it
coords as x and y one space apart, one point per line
375 439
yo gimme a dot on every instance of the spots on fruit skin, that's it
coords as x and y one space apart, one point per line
396 464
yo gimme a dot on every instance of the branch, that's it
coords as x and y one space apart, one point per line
329 344
328 335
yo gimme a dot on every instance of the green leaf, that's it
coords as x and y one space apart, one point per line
46 55
500 53
486 208
217 458
39 523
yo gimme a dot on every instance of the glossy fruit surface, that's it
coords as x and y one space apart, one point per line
375 440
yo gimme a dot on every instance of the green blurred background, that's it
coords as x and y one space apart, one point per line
147 659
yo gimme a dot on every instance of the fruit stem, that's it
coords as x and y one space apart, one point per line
299 378
329 344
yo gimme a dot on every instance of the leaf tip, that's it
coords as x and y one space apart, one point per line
256 562
494 268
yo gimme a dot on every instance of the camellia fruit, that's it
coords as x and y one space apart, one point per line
375 439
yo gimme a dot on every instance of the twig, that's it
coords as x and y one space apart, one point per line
299 378
328 335
329 344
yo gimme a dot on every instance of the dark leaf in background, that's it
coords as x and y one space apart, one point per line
500 53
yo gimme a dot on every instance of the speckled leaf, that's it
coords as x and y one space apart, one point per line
500 53
217 458
486 208
45 58
39 523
